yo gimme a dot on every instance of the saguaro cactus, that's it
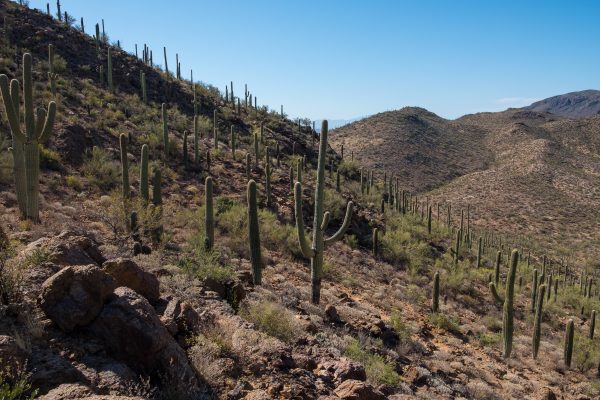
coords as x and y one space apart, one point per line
268 176
196 141
568 348
592 324
52 76
534 289
375 242
429 220
144 90
479 251
435 300
457 247
124 166
537 323
165 129
253 234
507 312
109 71
209 221
320 221
38 126
144 192
497 268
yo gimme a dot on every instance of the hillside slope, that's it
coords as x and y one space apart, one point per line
84 314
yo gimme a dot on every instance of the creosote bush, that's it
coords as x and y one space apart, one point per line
379 370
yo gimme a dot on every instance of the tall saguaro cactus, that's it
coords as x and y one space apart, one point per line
52 76
568 350
435 300
253 234
26 154
144 192
124 166
320 221
509 297
165 129
537 322
209 220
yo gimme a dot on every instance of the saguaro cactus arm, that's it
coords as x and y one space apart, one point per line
304 245
11 104
338 235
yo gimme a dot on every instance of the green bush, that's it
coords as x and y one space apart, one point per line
271 318
50 160
379 370
101 169
445 322
400 327
586 352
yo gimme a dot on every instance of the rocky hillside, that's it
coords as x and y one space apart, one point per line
585 103
121 291
522 172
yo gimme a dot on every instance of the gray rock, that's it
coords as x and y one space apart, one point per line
75 295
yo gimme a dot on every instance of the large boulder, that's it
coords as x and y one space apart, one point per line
68 248
358 390
126 272
74 296
133 332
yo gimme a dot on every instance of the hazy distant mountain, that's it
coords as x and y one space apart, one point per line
575 104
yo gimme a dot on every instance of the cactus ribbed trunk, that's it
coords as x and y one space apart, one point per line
537 322
209 222
196 141
253 234
144 192
508 312
534 289
592 324
497 268
435 300
479 251
568 347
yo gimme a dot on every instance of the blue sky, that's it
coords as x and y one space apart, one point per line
340 59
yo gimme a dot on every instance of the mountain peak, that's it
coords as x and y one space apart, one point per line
580 104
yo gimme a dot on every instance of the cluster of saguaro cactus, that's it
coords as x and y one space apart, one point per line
320 221
26 153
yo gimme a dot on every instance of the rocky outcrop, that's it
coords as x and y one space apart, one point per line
68 248
75 295
133 332
127 273
358 390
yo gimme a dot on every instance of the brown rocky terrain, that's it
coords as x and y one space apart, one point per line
90 308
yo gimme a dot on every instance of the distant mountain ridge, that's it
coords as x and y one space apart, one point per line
580 104
336 123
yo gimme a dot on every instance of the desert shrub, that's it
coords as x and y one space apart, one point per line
489 338
335 204
379 370
16 386
400 327
204 264
586 352
271 318
101 169
73 182
351 241
277 236
49 159
349 169
446 322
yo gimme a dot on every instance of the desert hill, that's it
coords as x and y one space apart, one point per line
111 295
585 103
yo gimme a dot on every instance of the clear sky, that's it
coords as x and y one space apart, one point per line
340 59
